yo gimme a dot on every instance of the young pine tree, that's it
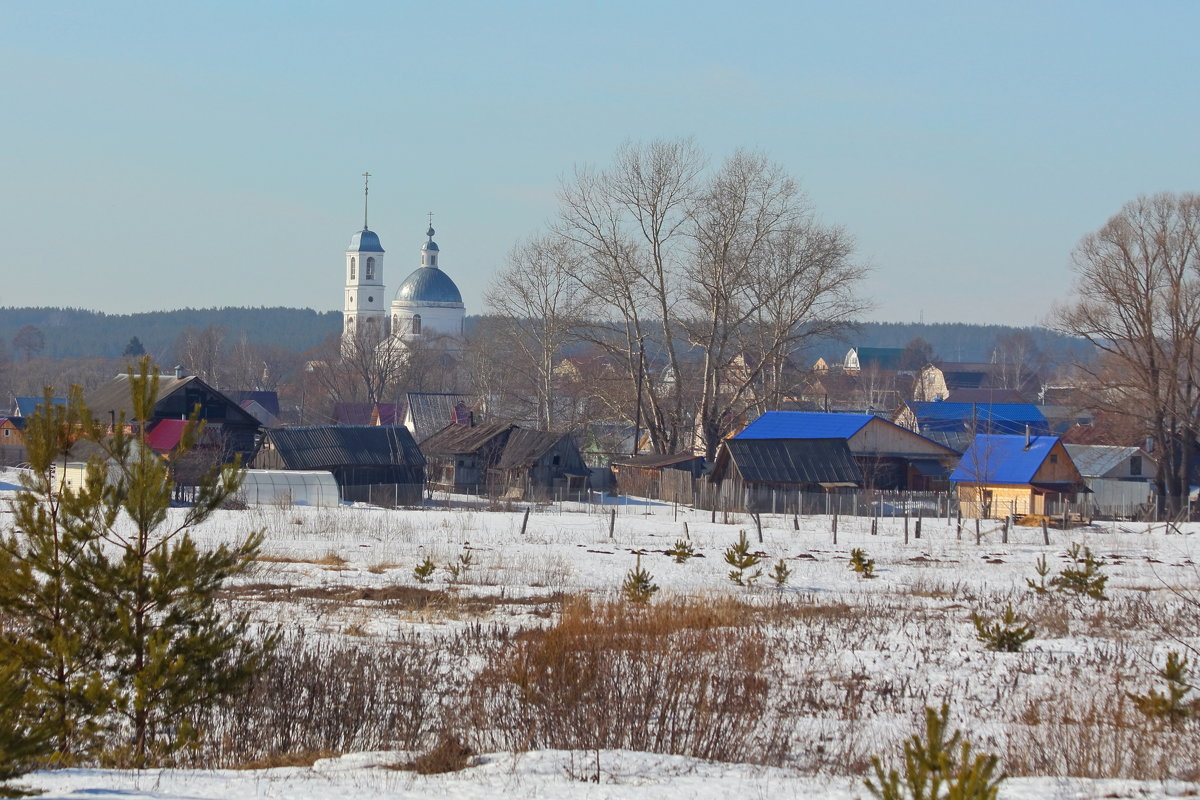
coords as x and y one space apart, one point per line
739 556
172 654
57 641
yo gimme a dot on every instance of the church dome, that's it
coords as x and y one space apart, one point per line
365 241
429 285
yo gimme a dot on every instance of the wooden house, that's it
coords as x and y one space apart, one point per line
230 429
888 456
1003 474
12 441
372 463
426 413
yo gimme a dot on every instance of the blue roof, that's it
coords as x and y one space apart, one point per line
990 417
365 241
996 458
804 425
429 285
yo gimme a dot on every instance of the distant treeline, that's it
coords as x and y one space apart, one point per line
76 333
952 341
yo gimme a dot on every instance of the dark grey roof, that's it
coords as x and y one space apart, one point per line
459 438
812 461
432 411
1097 460
328 446
429 285
525 447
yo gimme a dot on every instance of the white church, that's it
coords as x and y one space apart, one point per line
426 304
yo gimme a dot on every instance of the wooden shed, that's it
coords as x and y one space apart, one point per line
751 473
659 477
460 454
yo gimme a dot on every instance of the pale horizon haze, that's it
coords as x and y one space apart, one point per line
161 155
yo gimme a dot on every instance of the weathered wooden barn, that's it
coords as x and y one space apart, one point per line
460 455
538 465
379 464
753 474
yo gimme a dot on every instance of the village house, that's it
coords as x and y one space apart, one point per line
1002 475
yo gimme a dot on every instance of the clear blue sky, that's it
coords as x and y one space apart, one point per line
166 154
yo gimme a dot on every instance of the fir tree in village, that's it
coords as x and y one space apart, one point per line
116 624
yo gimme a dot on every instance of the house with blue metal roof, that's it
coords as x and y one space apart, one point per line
956 424
888 456
1003 474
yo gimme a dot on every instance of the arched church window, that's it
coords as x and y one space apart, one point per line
353 264
370 269
416 325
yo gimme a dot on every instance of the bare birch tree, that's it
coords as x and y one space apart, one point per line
538 299
1138 303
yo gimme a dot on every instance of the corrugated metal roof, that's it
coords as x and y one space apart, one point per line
432 411
114 397
329 446
811 461
27 406
1097 460
804 425
456 438
995 417
993 458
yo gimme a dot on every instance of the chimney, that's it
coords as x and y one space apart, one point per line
1026 437
179 371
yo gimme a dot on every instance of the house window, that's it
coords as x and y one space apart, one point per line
353 264
370 269
1054 458
555 460
416 323
1135 464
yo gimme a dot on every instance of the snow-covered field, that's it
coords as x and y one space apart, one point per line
854 661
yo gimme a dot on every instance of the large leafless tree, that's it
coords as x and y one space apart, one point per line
1138 303
707 280
537 299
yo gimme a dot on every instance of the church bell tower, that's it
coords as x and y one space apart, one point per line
364 306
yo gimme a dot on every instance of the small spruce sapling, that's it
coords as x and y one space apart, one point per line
639 585
423 572
780 573
938 767
1040 586
1174 706
681 551
865 567
1083 577
457 570
739 557
1007 634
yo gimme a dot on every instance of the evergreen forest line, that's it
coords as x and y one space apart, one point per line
78 333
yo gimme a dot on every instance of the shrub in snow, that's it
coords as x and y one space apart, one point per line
1007 634
780 573
1083 577
423 572
738 556
639 584
1174 706
682 551
937 767
457 570
859 563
